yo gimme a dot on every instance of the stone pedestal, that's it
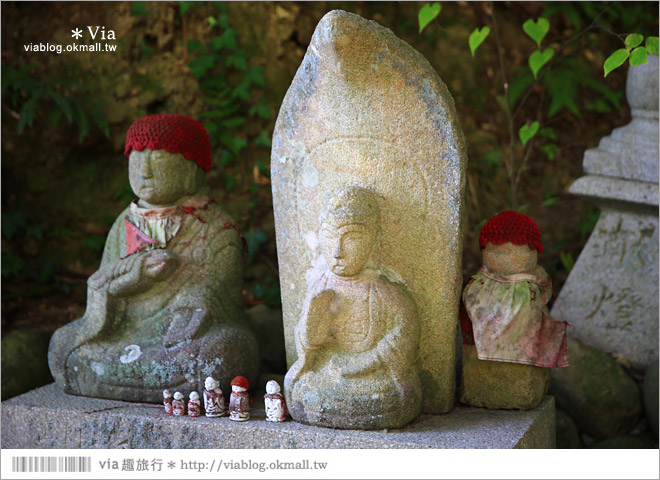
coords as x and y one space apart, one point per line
501 384
48 418
611 295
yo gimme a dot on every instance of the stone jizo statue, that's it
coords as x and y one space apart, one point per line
239 400
274 403
510 340
214 400
194 405
358 336
165 306
178 405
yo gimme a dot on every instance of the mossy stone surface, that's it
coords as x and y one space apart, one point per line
596 392
501 384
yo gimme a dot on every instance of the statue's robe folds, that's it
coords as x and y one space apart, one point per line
510 319
357 345
171 331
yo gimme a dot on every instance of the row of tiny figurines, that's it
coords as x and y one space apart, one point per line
239 401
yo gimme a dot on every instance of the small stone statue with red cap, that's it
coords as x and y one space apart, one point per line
170 282
509 338
239 401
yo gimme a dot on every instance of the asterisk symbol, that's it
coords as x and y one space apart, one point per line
77 33
171 465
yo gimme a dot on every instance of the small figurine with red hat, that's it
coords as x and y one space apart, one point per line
239 401
505 320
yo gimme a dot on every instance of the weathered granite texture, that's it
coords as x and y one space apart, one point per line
358 338
611 295
49 418
367 110
164 317
501 385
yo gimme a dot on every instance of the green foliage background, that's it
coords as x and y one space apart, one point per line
64 118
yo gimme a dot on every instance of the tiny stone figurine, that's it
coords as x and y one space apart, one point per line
178 405
165 305
509 338
239 402
214 400
167 401
274 402
194 407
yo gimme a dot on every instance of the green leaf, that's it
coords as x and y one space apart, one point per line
567 260
550 150
11 265
63 104
139 9
538 59
562 88
537 30
261 109
652 45
639 56
199 66
427 14
477 38
519 85
237 60
615 60
527 132
28 112
263 139
633 40
185 6
82 120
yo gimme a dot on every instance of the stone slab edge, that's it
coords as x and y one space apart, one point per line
48 418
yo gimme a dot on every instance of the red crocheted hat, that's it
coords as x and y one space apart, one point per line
241 382
512 227
174 133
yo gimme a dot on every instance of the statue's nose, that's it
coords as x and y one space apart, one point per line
145 167
337 251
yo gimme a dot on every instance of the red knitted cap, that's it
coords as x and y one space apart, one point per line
241 382
174 133
512 227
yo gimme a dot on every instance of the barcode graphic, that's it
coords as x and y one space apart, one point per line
51 464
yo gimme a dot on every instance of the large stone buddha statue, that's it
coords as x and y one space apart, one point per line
165 309
358 336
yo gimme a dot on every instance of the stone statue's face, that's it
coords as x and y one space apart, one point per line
161 178
272 387
210 383
509 259
347 248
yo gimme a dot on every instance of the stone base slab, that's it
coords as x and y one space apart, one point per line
49 418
